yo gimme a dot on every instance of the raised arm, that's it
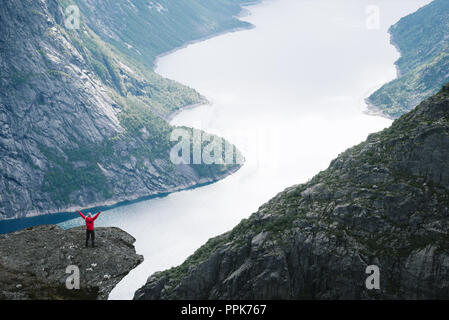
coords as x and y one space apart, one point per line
82 215
96 216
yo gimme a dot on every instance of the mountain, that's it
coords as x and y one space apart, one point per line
145 29
33 263
384 202
82 113
422 39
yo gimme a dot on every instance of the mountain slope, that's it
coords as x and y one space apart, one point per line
422 39
155 27
82 123
384 202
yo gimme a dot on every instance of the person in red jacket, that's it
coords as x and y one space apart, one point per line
90 228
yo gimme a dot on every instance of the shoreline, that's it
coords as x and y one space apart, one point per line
396 46
169 117
372 109
111 204
245 12
212 35
193 106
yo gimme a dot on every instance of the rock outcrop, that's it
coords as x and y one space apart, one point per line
384 202
33 262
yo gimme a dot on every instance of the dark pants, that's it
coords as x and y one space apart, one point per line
90 234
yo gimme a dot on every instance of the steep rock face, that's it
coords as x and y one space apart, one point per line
81 123
384 202
33 262
422 39
40 105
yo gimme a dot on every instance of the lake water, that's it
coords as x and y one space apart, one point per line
288 93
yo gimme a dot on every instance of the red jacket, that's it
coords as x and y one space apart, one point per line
89 221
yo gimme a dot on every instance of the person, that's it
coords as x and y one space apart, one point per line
90 228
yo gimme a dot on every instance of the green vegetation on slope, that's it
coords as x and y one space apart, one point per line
155 27
144 97
423 41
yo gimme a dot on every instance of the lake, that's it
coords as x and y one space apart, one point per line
288 93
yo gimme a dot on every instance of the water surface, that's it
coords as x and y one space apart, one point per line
289 93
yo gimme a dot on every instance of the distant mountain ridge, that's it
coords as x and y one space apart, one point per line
422 38
81 116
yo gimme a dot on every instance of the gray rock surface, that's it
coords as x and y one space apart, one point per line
33 262
384 202
80 124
